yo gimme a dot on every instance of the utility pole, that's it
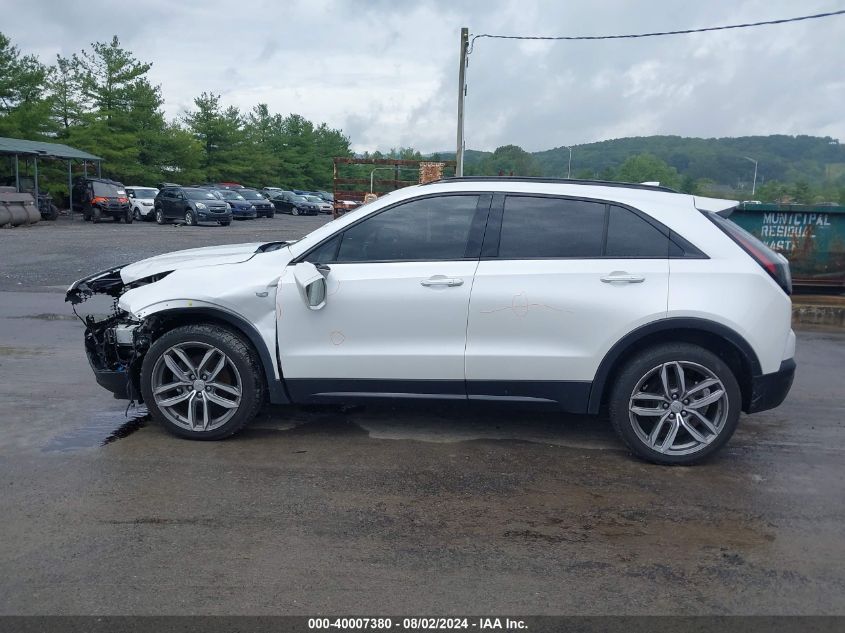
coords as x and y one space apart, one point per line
569 167
459 155
754 183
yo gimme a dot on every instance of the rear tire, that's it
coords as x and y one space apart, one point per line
675 403
128 217
226 400
136 214
159 216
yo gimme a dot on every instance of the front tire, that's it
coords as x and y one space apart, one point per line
675 404
190 220
137 214
294 211
202 382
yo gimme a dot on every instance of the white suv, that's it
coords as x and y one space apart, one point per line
589 297
142 200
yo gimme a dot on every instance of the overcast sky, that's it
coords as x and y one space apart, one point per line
385 71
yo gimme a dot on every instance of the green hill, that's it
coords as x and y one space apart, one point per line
819 161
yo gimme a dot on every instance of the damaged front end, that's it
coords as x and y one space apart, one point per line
115 342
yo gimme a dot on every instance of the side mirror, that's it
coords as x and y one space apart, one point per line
312 284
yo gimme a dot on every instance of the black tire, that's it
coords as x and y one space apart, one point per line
96 215
128 217
639 367
225 223
294 211
159 215
190 218
271 214
52 213
242 355
136 214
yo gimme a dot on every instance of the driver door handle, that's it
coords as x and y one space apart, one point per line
441 280
622 277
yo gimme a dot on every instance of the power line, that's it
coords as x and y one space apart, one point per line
638 35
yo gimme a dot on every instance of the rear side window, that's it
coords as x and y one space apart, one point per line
434 228
551 227
628 235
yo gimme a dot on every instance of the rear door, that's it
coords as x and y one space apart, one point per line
559 282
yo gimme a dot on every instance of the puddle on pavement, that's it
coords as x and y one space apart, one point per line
103 428
47 316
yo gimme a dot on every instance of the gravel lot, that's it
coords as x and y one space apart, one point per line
381 510
52 255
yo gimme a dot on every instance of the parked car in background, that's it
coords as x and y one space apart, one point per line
191 205
587 296
325 195
100 198
228 185
289 202
242 209
323 206
263 207
142 201
269 192
162 185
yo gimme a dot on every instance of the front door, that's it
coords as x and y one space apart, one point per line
394 322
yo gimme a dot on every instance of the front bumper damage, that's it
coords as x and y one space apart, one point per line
115 343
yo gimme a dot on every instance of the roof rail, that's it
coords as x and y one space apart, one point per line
561 181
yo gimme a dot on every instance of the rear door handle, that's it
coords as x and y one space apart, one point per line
442 280
622 277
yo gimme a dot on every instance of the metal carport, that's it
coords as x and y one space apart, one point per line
15 148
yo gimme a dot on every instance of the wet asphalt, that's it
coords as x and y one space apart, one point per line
381 510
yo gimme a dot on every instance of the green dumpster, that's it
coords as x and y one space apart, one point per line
811 237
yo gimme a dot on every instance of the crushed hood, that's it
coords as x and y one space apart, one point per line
190 258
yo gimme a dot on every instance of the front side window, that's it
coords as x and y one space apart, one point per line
434 228
535 227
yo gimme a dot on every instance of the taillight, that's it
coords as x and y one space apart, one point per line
776 265
123 200
99 200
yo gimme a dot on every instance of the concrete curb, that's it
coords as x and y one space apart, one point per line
818 311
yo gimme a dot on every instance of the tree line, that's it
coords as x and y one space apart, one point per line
101 100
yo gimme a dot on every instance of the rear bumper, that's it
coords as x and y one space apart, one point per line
770 390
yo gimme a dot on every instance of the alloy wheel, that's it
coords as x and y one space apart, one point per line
678 408
196 386
189 218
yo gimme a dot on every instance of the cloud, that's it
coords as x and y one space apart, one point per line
386 72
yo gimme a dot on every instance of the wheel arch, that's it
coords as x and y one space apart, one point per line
175 317
730 346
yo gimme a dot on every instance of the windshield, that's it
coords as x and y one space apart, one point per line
251 195
298 199
230 195
106 190
145 193
199 194
313 198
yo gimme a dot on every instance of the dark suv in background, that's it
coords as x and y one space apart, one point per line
99 198
191 205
